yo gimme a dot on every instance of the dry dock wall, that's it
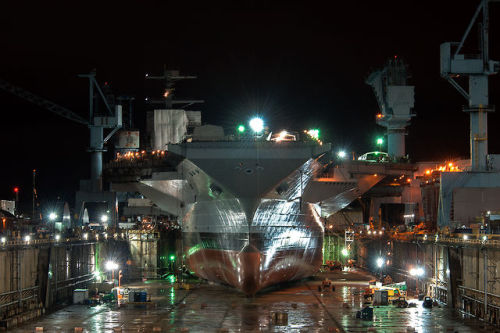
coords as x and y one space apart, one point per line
42 274
457 273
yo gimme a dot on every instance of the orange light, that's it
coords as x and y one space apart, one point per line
166 93
380 115
408 180
427 172
450 164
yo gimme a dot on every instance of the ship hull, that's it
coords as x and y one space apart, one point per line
244 222
283 243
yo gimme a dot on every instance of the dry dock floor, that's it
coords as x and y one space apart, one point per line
214 308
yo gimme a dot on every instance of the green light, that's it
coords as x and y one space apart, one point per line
380 141
241 128
172 257
345 252
314 133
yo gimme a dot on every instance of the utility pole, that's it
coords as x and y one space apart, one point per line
34 193
485 274
16 192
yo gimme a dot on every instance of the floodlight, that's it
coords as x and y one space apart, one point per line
256 124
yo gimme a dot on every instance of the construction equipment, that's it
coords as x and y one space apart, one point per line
395 99
477 67
401 302
112 119
90 190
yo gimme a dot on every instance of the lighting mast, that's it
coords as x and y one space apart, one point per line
170 78
477 67
395 99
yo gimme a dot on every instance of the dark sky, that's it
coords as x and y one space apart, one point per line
298 64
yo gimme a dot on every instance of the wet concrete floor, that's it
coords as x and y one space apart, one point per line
213 308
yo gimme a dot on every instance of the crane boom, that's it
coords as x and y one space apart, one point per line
42 102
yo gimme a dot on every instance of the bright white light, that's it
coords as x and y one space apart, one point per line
341 154
58 237
85 236
52 216
104 218
3 240
485 238
488 212
256 124
281 136
466 237
380 262
345 252
27 238
111 265
380 232
419 271
369 232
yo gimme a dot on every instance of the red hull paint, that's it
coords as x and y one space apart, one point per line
245 270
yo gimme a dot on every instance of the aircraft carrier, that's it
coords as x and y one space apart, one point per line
244 222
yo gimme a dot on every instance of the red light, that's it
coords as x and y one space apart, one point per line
16 189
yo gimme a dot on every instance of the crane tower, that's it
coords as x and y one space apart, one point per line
477 67
395 99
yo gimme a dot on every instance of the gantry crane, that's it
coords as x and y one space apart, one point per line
112 119
477 67
395 99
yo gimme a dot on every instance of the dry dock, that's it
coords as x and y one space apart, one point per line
214 308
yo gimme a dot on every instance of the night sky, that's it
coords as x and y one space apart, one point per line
297 64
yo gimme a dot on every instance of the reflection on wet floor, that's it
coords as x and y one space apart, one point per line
300 307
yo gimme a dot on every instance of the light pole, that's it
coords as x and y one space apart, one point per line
16 192
417 272
380 264
112 266
380 142
172 263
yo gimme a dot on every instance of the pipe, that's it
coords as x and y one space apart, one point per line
477 291
15 291
17 301
485 274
